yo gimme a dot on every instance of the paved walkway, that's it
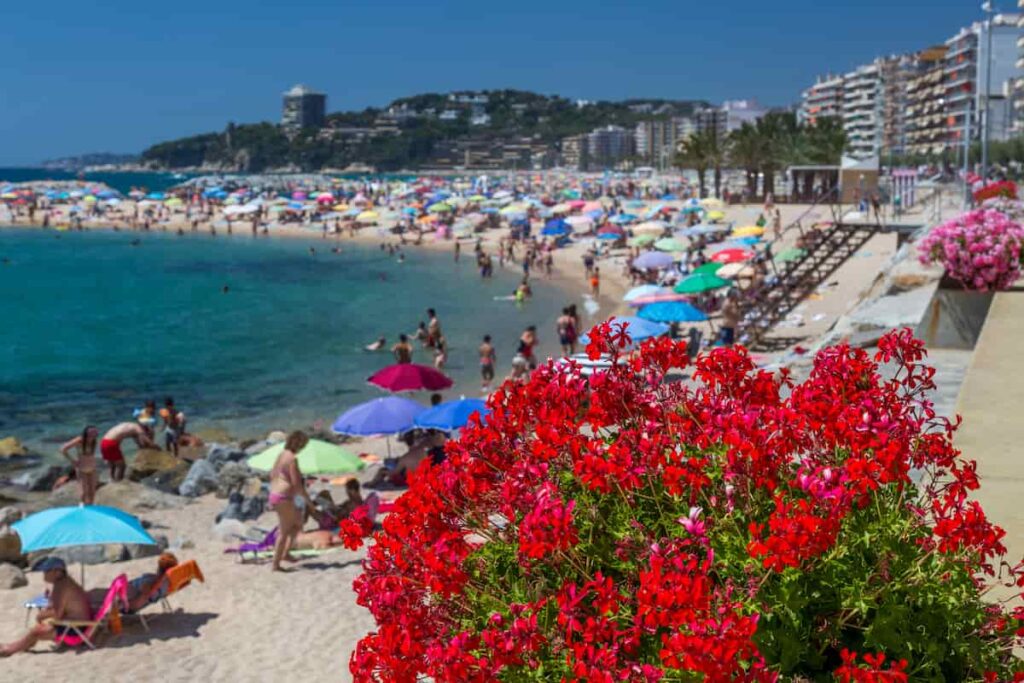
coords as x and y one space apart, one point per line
992 404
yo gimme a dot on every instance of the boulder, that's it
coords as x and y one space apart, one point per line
41 479
10 447
10 546
241 508
168 481
221 454
9 515
231 477
128 495
253 507
11 577
148 462
201 479
276 436
253 486
258 447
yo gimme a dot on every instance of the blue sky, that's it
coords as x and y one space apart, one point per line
117 76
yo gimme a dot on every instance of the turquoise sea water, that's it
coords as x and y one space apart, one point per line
91 326
120 181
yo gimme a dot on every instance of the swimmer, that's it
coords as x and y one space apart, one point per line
312 250
225 289
377 345
401 258
136 242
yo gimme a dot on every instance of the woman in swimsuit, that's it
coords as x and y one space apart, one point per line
85 465
286 486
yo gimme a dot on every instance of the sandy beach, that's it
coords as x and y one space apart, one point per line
247 623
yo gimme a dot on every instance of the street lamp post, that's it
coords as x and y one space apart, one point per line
986 112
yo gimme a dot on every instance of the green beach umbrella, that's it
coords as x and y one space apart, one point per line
700 282
318 457
440 207
710 267
669 244
791 254
642 240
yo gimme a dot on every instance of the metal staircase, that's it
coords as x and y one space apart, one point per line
798 279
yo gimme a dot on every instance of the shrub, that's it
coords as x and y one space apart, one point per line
623 527
980 249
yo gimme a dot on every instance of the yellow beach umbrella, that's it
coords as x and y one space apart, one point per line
341 207
173 201
367 216
715 216
89 199
748 231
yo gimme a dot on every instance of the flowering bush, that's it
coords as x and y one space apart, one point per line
980 249
1006 189
623 527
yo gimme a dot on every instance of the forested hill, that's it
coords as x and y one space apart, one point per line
409 133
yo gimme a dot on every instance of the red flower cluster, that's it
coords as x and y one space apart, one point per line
1004 188
627 526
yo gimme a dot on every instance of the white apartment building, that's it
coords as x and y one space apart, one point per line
821 100
862 111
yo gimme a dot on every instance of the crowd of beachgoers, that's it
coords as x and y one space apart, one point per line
647 251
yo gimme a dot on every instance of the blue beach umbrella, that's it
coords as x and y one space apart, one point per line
638 328
452 415
653 260
556 227
642 290
622 218
155 195
672 312
79 525
387 415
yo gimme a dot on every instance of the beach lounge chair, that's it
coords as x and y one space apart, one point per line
107 616
251 551
176 578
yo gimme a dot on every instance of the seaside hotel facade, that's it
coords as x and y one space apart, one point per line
930 102
303 107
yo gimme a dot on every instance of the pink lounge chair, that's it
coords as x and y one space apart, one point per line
108 615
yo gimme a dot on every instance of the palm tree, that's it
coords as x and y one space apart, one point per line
745 151
694 153
718 153
824 141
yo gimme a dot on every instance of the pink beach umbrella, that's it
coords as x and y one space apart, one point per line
410 377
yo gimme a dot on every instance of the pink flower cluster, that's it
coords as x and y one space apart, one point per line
980 249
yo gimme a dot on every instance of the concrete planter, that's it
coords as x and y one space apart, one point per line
955 316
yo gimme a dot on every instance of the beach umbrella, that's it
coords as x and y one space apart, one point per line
296 206
642 240
556 227
658 298
367 216
79 525
409 211
588 367
649 228
387 415
642 290
748 231
669 244
700 229
653 260
635 204
410 377
700 282
173 201
691 209
318 457
715 216
732 255
672 312
452 415
299 196
637 328
622 218
734 270
791 254
580 224
439 207
709 267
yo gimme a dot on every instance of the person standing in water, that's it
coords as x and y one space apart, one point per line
402 350
110 445
565 326
433 328
488 358
85 466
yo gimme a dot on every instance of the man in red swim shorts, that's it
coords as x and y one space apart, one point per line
110 445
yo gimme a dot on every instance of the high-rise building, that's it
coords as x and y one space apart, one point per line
658 140
574 152
729 117
1017 86
609 145
895 72
823 99
303 108
925 114
862 111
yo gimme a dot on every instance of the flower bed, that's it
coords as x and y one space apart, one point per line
627 528
981 249
1005 189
